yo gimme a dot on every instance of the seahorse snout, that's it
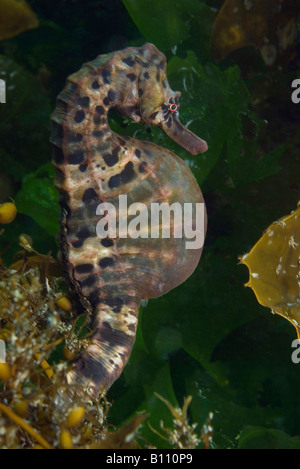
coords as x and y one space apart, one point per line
184 137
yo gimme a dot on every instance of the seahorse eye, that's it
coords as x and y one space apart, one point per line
173 107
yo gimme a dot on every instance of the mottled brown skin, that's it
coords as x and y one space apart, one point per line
94 165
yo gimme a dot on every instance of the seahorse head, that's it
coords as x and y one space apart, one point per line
159 104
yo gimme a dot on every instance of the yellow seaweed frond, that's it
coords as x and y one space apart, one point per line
16 16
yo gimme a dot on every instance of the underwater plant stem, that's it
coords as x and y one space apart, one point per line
44 365
19 421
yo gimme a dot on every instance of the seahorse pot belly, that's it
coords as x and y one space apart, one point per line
94 165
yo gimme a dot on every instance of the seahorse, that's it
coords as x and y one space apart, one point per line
94 165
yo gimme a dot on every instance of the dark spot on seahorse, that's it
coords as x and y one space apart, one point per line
115 303
114 181
79 116
72 137
83 168
111 159
97 120
128 173
116 150
106 75
83 102
95 85
142 167
131 76
106 101
123 177
138 152
99 110
58 155
128 61
89 281
89 195
115 336
76 157
131 327
146 76
77 244
106 262
111 95
164 84
97 133
83 233
107 243
94 298
84 268
141 92
169 122
164 107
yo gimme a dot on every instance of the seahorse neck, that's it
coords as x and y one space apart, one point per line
107 90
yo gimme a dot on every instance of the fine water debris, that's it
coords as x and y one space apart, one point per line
274 266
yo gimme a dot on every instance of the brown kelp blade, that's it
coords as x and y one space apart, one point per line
274 268
16 17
